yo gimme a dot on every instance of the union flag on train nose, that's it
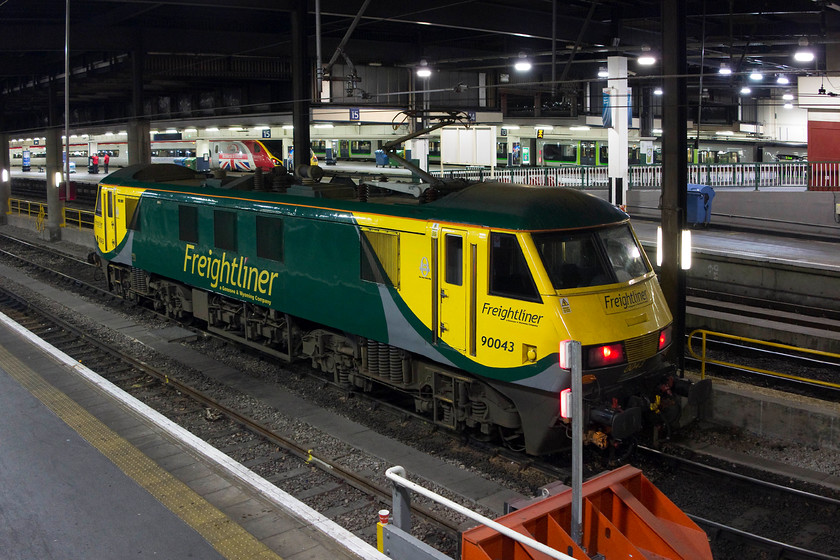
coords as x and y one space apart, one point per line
235 165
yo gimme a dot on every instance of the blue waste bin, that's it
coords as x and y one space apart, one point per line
382 159
699 204
329 156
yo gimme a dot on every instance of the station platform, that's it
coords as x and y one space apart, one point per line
89 472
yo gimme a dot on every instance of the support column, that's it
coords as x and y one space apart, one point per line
300 85
139 146
5 178
674 172
617 133
139 143
55 206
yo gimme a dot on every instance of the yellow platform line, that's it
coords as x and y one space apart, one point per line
230 539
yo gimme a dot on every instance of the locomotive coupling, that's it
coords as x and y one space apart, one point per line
622 423
695 391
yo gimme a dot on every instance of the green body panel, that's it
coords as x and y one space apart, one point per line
323 285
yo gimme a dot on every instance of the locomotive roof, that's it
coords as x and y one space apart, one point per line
490 204
526 207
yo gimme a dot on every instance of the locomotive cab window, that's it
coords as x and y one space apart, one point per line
454 260
132 213
592 258
97 211
188 223
224 229
509 273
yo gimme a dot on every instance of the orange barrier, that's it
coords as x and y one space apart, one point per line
624 516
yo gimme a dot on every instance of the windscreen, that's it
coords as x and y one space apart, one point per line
274 147
591 258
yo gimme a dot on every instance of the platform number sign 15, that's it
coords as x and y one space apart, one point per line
355 114
266 133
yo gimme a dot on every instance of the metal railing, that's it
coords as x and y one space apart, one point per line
80 219
800 175
704 359
401 507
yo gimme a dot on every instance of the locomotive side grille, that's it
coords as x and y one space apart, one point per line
642 347
138 281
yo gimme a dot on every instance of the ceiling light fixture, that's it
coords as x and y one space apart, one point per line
646 58
745 90
782 80
657 91
522 63
803 53
725 70
788 97
424 71
603 73
756 76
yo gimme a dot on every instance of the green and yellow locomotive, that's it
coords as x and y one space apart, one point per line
457 304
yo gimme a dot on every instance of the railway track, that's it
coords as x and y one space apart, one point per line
322 480
747 514
807 374
236 440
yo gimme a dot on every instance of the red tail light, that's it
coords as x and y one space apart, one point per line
665 337
606 355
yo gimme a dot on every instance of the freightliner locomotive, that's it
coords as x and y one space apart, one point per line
457 305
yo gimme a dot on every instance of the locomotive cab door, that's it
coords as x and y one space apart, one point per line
109 219
453 288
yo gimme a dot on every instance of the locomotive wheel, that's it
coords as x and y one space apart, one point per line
512 439
619 452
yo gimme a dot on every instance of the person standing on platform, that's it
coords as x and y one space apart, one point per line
106 159
95 162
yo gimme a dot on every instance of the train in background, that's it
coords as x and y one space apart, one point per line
552 153
557 153
249 154
227 154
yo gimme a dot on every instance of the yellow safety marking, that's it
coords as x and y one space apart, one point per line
227 537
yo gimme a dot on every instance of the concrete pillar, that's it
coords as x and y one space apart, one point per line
617 133
301 84
5 178
55 217
674 171
139 142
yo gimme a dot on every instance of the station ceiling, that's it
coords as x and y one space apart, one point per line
211 48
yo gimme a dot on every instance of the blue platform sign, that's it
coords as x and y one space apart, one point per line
471 116
266 133
606 114
355 114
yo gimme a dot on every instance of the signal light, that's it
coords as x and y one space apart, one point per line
566 403
563 355
665 337
606 355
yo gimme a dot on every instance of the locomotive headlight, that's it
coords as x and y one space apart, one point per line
605 355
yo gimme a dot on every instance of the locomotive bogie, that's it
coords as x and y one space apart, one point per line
457 304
